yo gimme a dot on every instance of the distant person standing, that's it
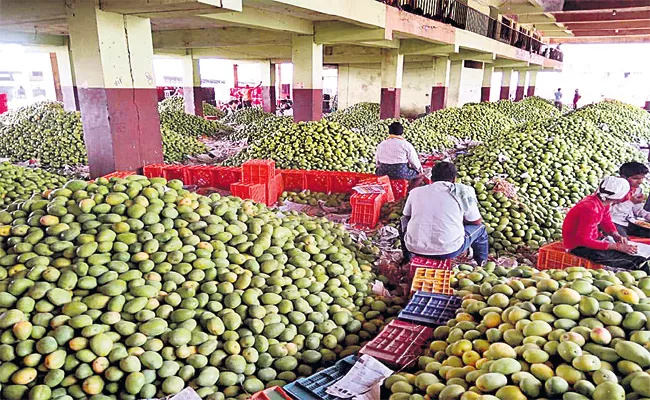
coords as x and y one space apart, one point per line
576 97
558 99
247 95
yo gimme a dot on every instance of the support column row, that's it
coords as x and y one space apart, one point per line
532 80
521 85
486 85
392 68
307 59
113 62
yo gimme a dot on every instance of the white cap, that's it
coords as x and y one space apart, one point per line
613 188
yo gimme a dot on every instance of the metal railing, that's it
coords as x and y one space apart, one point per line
462 16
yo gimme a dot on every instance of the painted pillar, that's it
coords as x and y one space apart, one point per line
392 68
455 83
113 60
505 84
268 86
532 80
441 68
307 59
66 79
521 85
193 94
55 77
486 86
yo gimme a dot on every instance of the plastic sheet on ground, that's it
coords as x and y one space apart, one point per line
288 206
218 151
363 381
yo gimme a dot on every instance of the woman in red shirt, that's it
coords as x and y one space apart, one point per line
584 222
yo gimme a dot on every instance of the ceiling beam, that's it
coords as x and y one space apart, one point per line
419 47
638 24
535 18
601 39
596 16
19 12
362 13
147 8
611 32
31 39
505 63
384 44
260 19
244 52
333 32
473 56
217 37
583 5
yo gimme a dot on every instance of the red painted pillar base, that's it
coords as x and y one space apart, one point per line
520 93
390 103
438 98
505 93
121 129
268 99
531 91
194 98
647 105
485 94
307 104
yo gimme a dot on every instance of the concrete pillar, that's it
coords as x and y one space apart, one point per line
307 59
486 86
193 93
113 60
68 88
521 85
455 83
505 84
441 68
392 68
55 77
532 80
268 86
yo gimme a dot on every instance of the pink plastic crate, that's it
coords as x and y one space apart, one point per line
294 180
366 209
317 181
343 182
381 180
223 177
399 344
153 170
258 171
252 191
421 262
201 176
176 172
274 189
400 188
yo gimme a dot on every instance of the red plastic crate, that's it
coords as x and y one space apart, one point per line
201 176
258 171
421 262
400 188
153 170
274 189
118 174
399 343
272 393
223 177
343 182
366 209
317 181
176 172
294 180
385 182
252 191
211 117
555 256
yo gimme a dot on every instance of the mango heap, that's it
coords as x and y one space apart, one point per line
245 116
376 132
357 116
175 103
552 164
212 111
574 334
135 288
20 183
528 109
319 145
191 125
177 146
259 129
624 121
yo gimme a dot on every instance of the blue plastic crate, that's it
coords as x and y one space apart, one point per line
430 308
314 387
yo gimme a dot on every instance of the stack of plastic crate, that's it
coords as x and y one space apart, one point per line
259 182
366 209
421 262
399 344
314 387
432 281
430 309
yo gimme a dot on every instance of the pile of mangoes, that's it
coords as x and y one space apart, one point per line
357 116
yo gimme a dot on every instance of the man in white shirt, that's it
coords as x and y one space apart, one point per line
397 158
442 220
558 99
632 207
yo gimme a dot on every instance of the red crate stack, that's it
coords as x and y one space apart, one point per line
366 209
175 172
223 177
343 182
421 262
400 188
399 344
252 191
294 180
274 189
317 181
258 171
383 181
153 170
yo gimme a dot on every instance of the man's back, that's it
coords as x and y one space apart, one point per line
558 95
